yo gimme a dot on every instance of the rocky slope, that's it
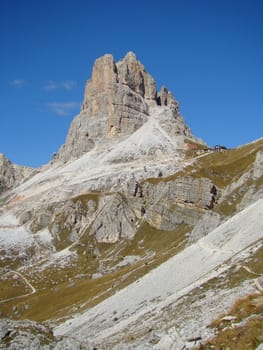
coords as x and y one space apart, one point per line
30 335
130 190
148 299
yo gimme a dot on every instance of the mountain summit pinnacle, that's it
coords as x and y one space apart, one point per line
119 99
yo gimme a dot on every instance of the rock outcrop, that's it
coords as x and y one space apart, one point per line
116 221
117 102
117 216
183 200
11 174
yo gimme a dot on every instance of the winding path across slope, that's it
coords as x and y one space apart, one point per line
33 289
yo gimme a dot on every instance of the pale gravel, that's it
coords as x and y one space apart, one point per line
171 280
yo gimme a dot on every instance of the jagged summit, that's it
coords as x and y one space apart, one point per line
119 99
128 71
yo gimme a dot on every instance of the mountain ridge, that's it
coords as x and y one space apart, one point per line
130 191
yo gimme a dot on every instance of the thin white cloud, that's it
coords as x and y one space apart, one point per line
51 86
17 83
64 108
69 84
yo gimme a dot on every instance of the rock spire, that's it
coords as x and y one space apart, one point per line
117 101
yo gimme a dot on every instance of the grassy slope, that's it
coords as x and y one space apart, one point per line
61 291
222 168
244 331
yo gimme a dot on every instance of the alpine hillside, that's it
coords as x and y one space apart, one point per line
136 234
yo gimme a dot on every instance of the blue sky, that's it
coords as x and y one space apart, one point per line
209 53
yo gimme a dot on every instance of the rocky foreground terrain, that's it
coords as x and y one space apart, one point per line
136 234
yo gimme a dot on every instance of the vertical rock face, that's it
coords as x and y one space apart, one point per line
104 73
117 101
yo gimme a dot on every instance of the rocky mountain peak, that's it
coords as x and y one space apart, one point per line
118 100
128 72
173 237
